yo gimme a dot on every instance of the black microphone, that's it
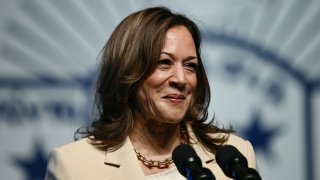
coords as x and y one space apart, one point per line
234 164
189 163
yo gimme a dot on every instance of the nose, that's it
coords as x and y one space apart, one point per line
178 78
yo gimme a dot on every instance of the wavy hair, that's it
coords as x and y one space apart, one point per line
130 55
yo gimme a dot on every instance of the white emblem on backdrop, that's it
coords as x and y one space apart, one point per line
266 100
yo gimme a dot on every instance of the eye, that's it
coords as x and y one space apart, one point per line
163 63
193 67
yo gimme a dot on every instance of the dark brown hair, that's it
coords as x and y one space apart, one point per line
129 57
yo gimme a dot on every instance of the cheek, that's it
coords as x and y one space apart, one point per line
155 80
193 84
152 85
147 90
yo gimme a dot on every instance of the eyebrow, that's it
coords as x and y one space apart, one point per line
174 57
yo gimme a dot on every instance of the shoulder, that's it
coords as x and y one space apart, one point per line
75 154
67 161
245 147
241 144
236 140
82 144
77 149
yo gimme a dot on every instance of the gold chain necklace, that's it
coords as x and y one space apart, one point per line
156 163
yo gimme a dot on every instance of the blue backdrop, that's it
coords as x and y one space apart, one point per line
262 59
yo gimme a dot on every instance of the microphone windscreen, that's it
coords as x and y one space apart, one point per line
228 155
183 155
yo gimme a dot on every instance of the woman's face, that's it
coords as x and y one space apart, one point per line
167 93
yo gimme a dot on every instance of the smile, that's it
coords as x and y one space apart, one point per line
175 97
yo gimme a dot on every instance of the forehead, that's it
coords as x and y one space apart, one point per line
179 37
178 32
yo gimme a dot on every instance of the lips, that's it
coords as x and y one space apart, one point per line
175 97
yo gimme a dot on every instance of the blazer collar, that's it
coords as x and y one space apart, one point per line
123 163
205 156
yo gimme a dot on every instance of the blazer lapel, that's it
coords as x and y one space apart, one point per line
208 159
123 163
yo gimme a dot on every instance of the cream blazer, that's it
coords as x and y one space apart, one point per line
82 161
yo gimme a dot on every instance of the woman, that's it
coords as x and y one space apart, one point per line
152 95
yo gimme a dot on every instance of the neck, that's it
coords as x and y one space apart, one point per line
155 139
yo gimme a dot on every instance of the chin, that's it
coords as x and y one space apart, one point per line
172 116
172 120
